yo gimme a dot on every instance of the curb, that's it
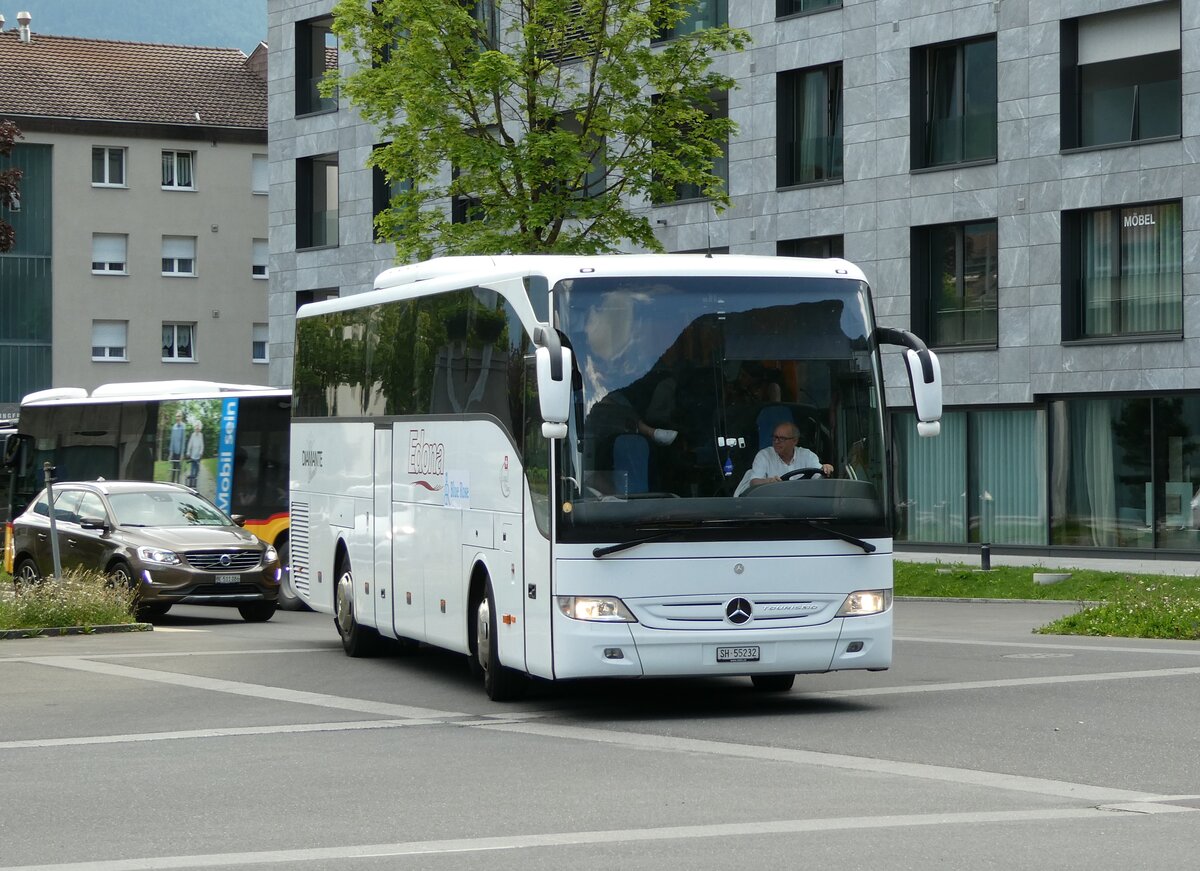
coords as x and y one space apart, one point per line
57 631
974 601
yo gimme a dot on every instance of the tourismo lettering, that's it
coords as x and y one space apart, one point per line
425 458
1145 220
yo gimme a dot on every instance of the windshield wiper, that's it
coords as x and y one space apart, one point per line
660 534
844 536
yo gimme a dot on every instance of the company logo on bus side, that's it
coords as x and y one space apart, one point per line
426 458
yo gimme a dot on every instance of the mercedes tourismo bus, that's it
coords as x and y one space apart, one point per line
142 431
543 462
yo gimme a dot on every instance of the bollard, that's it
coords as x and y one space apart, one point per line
985 557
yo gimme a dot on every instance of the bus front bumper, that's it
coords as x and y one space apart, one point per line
586 649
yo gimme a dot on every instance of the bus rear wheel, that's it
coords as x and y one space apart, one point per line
357 640
500 683
772 683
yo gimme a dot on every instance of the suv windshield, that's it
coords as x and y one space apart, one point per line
165 508
680 382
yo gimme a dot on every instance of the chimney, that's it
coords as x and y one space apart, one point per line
23 19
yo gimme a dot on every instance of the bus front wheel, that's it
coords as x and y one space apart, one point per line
288 600
772 683
501 684
357 640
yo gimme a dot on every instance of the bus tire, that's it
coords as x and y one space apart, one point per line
772 683
500 683
288 600
357 640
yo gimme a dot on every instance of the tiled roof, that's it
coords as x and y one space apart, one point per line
76 78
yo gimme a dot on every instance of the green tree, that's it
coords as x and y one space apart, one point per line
10 180
549 124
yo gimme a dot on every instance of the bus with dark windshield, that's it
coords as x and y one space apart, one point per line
604 466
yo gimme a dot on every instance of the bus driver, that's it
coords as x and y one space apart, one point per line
783 456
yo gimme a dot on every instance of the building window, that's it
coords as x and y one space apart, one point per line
258 344
179 343
316 54
703 15
982 480
259 182
815 246
109 340
954 102
484 13
798 7
179 255
955 283
1123 271
317 201
720 167
810 125
320 294
109 253
259 258
177 170
108 167
1121 76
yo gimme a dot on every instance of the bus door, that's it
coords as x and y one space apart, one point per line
381 527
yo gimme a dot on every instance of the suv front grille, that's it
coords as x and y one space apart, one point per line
210 560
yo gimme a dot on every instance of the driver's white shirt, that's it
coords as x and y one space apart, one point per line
768 464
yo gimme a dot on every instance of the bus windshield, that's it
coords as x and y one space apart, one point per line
681 382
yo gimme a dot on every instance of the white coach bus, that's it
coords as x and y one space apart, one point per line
545 463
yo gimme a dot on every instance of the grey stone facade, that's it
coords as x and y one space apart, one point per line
879 200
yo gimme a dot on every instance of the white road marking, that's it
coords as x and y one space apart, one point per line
575 839
238 688
1004 682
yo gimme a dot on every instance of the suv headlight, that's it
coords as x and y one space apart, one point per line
601 609
863 602
270 555
158 556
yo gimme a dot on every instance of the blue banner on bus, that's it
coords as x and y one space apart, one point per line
227 442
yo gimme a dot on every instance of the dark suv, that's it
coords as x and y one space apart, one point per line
167 541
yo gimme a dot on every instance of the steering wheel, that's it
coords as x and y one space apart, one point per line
803 474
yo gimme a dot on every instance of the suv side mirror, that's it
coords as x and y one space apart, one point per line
12 450
238 519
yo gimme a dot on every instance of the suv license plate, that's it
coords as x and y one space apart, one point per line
737 654
233 579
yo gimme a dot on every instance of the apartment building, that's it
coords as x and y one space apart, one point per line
1016 177
141 231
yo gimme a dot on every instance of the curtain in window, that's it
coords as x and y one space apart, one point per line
944 106
819 123
1008 468
1152 268
931 484
1099 274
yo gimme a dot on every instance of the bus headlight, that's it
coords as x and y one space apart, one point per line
158 555
863 602
603 609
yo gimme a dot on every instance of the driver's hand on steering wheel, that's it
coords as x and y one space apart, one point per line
827 470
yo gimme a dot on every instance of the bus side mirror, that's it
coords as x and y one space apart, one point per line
12 450
554 395
925 376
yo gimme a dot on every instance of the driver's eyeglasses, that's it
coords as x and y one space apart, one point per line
783 438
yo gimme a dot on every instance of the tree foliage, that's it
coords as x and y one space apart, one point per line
10 181
550 129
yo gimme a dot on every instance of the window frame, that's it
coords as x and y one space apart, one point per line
106 265
923 99
705 14
106 357
924 306
175 356
175 155
1072 96
832 245
255 264
257 160
306 190
108 152
177 262
1074 293
782 10
789 111
265 342
308 99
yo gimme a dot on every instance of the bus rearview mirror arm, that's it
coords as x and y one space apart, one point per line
924 377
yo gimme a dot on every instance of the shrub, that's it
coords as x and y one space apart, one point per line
81 598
